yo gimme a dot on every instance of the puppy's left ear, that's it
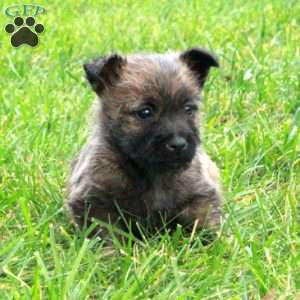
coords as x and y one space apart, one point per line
199 62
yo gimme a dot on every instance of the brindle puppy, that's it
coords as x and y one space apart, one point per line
143 162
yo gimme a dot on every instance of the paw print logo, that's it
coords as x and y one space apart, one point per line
24 34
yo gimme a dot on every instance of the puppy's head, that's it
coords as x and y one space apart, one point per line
150 103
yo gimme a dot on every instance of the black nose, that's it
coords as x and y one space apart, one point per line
176 144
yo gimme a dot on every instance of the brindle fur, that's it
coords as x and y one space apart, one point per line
124 166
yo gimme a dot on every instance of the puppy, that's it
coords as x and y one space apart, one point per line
143 164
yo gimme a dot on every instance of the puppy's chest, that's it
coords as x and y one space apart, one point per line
161 196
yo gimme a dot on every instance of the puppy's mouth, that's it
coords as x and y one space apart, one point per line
164 162
176 161
173 165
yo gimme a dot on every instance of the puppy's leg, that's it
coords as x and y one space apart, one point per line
85 213
204 211
87 199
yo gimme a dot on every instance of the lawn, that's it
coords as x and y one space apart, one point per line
251 125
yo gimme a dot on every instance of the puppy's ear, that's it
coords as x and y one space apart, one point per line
199 61
104 71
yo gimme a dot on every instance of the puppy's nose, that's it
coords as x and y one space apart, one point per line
176 144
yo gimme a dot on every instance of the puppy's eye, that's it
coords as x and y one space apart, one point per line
190 109
145 113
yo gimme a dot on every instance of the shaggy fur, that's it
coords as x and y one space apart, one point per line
143 162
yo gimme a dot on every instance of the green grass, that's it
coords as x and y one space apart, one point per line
251 128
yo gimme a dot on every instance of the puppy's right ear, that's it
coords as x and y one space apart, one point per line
104 71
